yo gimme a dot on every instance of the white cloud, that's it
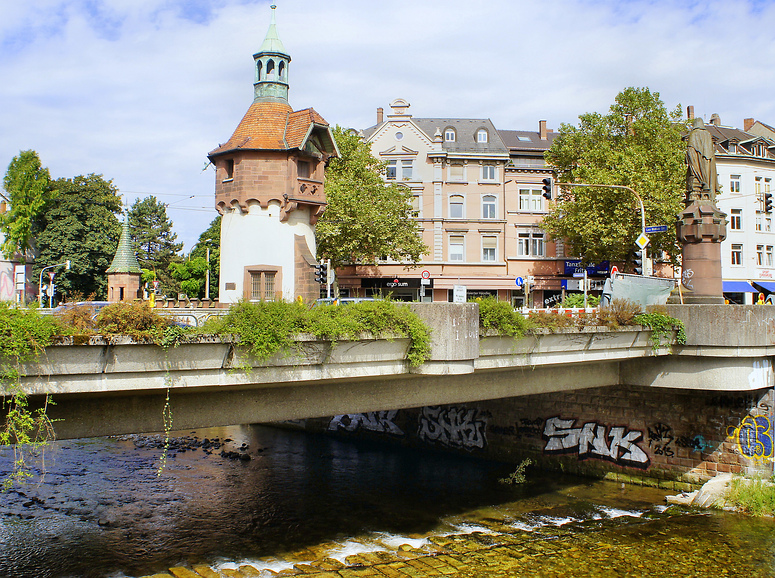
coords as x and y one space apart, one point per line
141 90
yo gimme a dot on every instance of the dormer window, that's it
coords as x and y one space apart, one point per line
481 136
732 148
449 135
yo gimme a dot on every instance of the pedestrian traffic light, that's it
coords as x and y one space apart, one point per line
321 273
638 260
547 194
767 202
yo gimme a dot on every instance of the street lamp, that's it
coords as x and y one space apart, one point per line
40 283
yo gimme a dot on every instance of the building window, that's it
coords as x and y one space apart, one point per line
489 247
399 135
262 285
736 219
303 169
229 169
758 222
760 255
758 185
481 136
416 205
488 172
406 170
449 135
391 170
530 244
767 183
488 207
530 200
456 206
768 262
734 183
767 225
737 254
456 172
456 248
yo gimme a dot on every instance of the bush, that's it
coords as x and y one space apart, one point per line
576 300
753 496
501 317
550 320
136 319
619 312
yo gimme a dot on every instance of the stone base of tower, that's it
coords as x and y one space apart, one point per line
124 287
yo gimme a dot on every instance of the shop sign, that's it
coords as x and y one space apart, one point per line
593 269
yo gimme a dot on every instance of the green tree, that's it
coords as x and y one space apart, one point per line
637 144
366 219
154 240
192 272
79 224
28 186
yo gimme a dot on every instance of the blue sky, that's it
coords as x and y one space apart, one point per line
141 90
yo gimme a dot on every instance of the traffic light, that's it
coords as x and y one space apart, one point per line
638 262
547 194
767 202
321 273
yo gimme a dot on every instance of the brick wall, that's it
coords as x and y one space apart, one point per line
675 439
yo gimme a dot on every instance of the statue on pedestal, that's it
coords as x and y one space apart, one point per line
701 175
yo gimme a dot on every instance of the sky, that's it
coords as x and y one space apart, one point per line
140 91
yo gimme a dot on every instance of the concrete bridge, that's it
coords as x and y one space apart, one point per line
115 387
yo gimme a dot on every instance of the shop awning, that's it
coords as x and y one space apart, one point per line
764 286
738 287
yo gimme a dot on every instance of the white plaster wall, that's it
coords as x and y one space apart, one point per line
258 237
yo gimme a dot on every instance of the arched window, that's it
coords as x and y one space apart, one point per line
259 66
449 135
488 206
270 70
281 70
456 206
481 136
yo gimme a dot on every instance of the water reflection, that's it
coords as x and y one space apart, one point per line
102 510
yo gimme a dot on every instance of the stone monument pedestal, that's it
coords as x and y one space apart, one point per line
701 228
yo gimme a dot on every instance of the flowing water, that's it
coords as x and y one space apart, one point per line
340 508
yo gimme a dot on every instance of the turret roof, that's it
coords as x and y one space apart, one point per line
124 261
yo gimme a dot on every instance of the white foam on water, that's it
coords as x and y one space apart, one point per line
260 565
470 529
351 548
659 509
395 541
617 513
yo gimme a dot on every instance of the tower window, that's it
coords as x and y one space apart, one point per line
259 66
281 69
229 169
303 169
270 69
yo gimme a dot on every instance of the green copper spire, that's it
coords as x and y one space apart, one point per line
272 42
125 260
271 83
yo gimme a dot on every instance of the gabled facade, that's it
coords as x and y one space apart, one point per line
269 187
478 198
745 164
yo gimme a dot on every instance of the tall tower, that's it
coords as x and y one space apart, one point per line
269 180
124 272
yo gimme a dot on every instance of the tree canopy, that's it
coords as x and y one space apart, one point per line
366 219
192 272
154 240
637 144
28 186
79 224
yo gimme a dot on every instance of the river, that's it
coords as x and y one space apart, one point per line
99 509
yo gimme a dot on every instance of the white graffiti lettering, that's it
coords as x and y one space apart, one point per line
591 440
453 427
377 421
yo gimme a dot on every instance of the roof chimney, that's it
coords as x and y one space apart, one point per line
715 119
380 114
542 129
690 112
748 123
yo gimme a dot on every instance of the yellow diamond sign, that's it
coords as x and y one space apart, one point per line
642 241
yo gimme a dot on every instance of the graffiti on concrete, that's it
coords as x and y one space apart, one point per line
660 438
376 421
693 444
753 437
455 427
593 440
524 427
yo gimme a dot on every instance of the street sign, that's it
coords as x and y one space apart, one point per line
642 241
426 274
519 281
614 270
656 229
531 279
458 294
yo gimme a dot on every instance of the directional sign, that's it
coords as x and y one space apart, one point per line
642 241
657 229
519 281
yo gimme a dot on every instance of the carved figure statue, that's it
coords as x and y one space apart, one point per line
701 176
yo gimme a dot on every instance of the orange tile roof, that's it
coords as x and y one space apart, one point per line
271 126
